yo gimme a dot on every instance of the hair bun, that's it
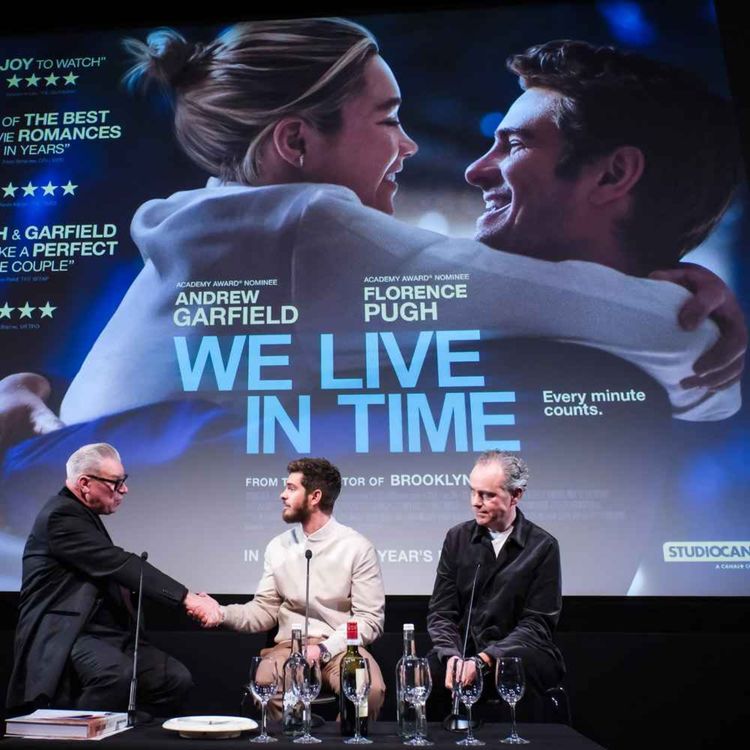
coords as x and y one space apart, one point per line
169 52
164 57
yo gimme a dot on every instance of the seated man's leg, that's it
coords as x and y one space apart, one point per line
279 652
163 681
103 669
439 704
332 678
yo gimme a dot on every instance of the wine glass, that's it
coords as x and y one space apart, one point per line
306 686
469 692
355 683
264 682
510 684
417 685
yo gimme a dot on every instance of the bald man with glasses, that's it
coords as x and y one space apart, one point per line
75 635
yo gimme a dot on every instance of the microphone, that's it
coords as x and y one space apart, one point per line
454 722
308 557
313 719
134 680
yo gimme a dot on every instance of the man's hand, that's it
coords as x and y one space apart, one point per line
722 365
466 670
449 671
23 413
204 608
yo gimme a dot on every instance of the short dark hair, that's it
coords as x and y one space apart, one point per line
688 136
318 474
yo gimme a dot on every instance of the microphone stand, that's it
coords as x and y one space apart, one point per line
454 722
308 556
134 681
315 721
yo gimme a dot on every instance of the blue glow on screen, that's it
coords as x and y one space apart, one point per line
709 11
489 122
627 22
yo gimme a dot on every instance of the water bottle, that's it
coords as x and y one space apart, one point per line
292 720
406 713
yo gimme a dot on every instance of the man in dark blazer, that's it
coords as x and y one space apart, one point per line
518 594
75 636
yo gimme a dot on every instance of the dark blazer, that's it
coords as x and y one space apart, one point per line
68 563
518 596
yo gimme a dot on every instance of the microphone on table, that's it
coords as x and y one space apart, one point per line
308 556
454 722
134 681
315 720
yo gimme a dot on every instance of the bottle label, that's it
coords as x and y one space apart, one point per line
352 632
362 709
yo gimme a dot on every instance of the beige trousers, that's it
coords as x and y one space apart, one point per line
330 674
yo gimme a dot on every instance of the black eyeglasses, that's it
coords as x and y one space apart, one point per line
117 484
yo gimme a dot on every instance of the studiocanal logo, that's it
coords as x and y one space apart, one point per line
710 552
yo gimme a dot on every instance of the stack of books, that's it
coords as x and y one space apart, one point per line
70 725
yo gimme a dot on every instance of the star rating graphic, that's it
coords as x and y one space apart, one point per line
25 311
30 189
47 310
33 81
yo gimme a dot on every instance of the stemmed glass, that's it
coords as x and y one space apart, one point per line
264 682
469 693
355 682
417 685
306 686
510 684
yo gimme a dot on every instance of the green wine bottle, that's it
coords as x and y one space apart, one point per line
347 709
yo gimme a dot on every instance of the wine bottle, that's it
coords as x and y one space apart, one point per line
406 713
348 711
292 721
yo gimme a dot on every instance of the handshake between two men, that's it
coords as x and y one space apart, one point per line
70 546
205 609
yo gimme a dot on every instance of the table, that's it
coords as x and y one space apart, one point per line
383 733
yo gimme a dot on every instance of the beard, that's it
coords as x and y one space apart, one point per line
296 515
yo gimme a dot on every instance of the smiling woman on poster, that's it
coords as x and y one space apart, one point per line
298 122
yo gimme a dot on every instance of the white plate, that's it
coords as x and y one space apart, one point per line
210 727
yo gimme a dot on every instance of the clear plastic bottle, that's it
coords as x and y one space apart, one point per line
406 713
292 720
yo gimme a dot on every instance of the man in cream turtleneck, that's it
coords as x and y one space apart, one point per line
345 581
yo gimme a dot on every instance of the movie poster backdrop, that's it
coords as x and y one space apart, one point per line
244 332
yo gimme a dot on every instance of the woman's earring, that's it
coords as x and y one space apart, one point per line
301 161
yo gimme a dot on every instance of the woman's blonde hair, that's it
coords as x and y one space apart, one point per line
229 95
